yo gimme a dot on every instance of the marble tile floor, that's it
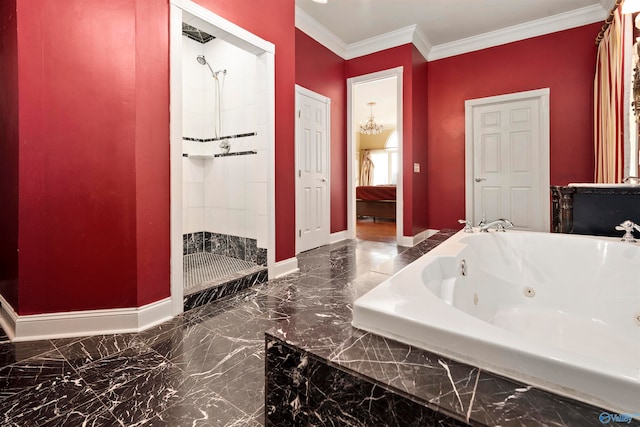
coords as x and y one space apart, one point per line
203 368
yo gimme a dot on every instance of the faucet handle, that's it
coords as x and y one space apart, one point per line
467 225
483 221
628 226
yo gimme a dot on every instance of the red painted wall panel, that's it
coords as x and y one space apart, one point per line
322 71
9 136
384 60
420 131
152 152
274 21
563 61
77 229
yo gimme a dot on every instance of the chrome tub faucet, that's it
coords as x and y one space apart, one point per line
628 226
499 224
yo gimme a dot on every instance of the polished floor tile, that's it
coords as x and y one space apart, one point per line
203 368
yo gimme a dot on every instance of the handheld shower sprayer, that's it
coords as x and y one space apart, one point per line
203 61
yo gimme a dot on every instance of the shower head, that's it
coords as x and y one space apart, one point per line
203 61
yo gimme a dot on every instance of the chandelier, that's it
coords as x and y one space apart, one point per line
371 127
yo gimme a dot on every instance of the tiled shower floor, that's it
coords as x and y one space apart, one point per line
205 267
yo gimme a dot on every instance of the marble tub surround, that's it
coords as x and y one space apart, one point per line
368 365
207 366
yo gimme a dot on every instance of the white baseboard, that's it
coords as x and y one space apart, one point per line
82 323
337 237
282 268
411 241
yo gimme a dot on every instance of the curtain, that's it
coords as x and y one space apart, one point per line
366 169
609 104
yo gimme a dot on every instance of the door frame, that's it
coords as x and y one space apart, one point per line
302 91
352 82
265 55
543 168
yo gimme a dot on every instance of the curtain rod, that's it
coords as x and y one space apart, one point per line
608 21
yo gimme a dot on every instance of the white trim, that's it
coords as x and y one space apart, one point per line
351 147
544 146
384 41
607 5
410 241
315 30
338 237
287 266
422 43
269 59
175 152
83 323
215 25
539 27
302 91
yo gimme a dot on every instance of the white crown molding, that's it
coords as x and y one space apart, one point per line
319 33
381 42
552 24
82 323
607 5
411 34
421 42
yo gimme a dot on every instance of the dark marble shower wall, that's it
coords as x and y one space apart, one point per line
238 247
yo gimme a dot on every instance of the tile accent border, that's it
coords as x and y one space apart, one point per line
82 323
239 135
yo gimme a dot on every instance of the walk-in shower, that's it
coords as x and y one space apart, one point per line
222 251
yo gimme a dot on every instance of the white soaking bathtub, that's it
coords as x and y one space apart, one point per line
558 311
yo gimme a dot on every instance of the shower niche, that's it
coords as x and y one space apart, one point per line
224 163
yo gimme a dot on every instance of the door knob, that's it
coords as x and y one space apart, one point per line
323 179
480 179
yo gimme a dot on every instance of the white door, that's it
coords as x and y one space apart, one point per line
312 154
510 176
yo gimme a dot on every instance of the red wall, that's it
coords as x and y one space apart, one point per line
320 70
563 61
419 147
152 151
274 21
94 157
9 152
413 135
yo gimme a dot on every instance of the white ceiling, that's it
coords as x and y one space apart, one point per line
439 23
383 93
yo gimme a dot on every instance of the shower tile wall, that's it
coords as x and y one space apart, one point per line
225 195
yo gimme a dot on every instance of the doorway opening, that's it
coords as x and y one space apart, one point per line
375 156
222 163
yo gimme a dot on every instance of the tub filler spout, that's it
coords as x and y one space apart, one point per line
498 224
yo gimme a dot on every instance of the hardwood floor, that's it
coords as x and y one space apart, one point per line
382 230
